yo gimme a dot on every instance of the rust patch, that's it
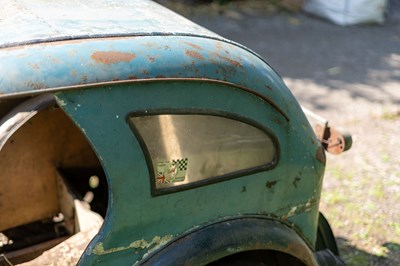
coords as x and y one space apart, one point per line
194 54
84 78
295 248
160 76
151 59
132 77
230 61
320 155
112 57
271 184
195 46
244 189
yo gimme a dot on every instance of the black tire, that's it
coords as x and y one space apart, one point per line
325 237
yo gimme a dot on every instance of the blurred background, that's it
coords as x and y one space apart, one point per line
346 68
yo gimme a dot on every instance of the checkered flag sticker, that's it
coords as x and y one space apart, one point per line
181 164
171 171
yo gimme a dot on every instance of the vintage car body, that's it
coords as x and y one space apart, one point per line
124 91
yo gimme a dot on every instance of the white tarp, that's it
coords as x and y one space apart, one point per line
348 12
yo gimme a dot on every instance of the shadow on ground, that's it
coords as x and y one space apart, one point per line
360 62
355 257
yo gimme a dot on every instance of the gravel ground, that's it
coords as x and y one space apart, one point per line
350 75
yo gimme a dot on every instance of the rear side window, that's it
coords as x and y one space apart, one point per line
187 150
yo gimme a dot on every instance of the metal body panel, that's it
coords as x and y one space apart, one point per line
109 60
137 222
33 69
41 21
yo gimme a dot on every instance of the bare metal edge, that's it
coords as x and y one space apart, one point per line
18 116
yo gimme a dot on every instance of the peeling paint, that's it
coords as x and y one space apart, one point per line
304 207
292 211
112 57
62 103
138 244
234 250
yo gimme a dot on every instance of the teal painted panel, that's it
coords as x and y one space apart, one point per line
137 221
33 69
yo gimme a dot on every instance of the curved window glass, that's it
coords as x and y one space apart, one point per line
185 148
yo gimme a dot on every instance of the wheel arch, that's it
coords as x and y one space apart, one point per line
228 237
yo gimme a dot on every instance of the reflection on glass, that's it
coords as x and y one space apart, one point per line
189 148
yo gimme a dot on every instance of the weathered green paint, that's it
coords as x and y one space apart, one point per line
135 215
135 245
227 237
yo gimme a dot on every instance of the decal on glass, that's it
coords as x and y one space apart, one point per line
171 172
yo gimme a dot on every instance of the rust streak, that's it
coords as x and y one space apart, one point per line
112 57
194 54
230 61
195 46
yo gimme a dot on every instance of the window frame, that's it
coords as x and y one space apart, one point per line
210 180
